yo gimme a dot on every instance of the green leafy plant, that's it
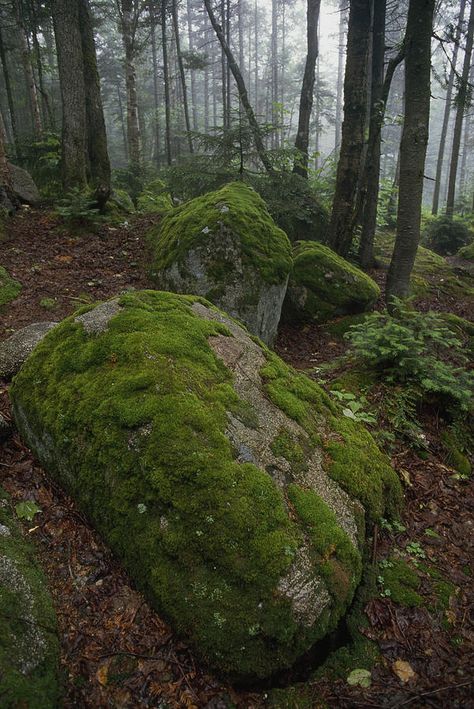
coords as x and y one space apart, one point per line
418 348
27 510
392 525
353 407
446 235
400 409
415 549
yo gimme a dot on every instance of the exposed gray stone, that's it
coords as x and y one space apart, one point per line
23 186
15 350
96 320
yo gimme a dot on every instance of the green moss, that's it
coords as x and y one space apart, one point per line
48 303
402 581
332 285
356 462
357 381
467 252
155 198
120 203
9 288
29 648
296 453
235 207
206 538
455 456
339 327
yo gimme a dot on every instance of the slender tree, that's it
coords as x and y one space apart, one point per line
413 145
307 88
174 12
343 214
447 110
462 101
28 70
340 72
253 123
129 14
166 82
9 92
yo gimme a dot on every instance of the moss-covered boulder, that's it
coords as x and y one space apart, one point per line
9 288
29 648
230 486
467 252
225 247
323 285
120 203
155 198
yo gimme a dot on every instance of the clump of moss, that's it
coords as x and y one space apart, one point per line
455 456
356 462
323 285
401 582
133 421
155 198
235 207
29 648
120 203
467 252
9 288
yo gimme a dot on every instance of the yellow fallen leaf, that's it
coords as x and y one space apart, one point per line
403 670
102 673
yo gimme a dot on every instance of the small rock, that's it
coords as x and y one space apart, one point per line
15 350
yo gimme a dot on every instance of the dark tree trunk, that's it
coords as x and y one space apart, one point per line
340 73
10 100
413 145
48 118
71 79
447 111
257 136
28 70
307 88
156 102
343 214
462 100
192 73
128 27
372 161
174 11
99 164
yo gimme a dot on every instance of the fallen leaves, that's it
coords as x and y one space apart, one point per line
404 671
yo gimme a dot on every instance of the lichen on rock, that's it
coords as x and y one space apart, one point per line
227 483
29 648
323 285
225 247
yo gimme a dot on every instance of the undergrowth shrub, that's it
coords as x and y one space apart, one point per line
78 209
446 235
415 348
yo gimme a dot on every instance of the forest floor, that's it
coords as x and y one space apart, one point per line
115 650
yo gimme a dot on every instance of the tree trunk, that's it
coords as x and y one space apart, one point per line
462 100
447 111
99 164
372 161
274 75
71 79
192 73
413 146
340 73
342 224
133 124
156 102
28 70
307 89
174 12
48 117
10 100
255 128
166 82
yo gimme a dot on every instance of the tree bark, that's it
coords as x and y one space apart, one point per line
174 12
340 73
156 103
192 74
343 215
462 99
307 89
28 70
372 161
166 81
413 146
447 111
10 100
99 164
255 128
71 79
128 27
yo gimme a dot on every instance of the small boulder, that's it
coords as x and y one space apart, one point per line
323 285
23 186
225 247
230 486
15 350
29 647
155 198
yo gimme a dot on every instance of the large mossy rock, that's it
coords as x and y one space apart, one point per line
23 186
467 252
225 247
29 648
323 285
230 486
